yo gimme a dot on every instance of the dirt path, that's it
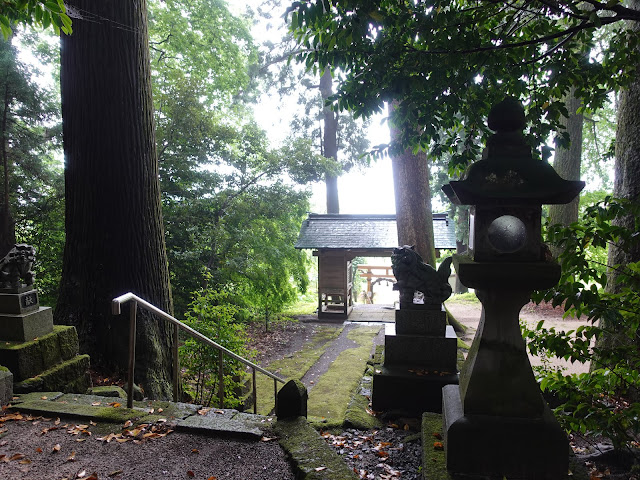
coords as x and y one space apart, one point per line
468 313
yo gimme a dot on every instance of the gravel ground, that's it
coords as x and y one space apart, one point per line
32 448
385 453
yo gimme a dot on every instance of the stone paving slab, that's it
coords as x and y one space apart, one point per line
112 410
227 421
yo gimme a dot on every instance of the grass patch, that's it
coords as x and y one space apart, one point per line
307 304
295 366
466 298
330 396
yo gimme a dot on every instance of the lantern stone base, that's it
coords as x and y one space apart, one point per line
518 448
420 358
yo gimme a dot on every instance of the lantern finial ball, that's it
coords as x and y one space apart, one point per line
507 116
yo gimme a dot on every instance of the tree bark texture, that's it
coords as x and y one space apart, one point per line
7 224
414 217
330 141
567 162
626 185
114 233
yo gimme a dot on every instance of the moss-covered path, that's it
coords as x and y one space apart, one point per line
331 364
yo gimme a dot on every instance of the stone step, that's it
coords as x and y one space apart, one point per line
111 409
73 374
28 359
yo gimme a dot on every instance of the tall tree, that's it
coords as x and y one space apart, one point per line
568 159
626 185
412 190
29 134
114 234
330 141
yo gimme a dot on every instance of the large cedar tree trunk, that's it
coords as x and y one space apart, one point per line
626 185
7 224
567 163
114 234
330 141
411 183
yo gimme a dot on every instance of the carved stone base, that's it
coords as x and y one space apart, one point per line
27 326
23 302
482 446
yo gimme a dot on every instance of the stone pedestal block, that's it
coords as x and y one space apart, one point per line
19 302
6 386
408 390
29 359
26 326
420 357
422 351
421 322
519 448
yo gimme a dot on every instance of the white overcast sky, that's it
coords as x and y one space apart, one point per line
367 190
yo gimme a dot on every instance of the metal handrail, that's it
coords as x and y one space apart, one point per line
130 297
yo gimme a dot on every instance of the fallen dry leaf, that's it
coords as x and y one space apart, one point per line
115 404
267 439
56 448
114 473
438 446
190 474
212 478
38 450
319 469
95 404
16 456
72 457
26 461
195 450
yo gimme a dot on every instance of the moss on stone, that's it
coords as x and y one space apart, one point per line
357 414
434 465
312 458
4 369
28 359
334 389
112 391
67 376
294 366
67 340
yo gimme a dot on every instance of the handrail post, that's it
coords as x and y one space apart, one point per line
132 351
176 366
221 378
275 394
255 392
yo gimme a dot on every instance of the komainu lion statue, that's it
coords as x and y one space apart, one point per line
413 274
15 267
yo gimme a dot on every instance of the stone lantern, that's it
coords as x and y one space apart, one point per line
496 421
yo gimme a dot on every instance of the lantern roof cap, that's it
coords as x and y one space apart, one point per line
508 172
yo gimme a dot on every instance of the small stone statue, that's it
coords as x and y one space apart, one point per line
15 267
413 274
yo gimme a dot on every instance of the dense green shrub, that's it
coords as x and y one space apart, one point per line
601 401
214 314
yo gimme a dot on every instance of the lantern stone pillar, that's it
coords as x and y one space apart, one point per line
496 421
